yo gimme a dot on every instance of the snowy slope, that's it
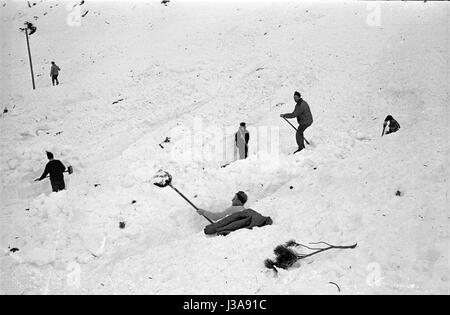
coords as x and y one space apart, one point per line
193 71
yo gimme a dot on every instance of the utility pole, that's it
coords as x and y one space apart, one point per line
29 51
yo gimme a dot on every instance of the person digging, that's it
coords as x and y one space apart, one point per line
304 119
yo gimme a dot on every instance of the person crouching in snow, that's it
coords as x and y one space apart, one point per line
393 125
56 169
237 204
241 139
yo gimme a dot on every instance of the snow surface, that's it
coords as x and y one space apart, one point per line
192 71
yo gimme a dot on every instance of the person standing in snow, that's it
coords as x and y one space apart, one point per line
241 139
54 72
237 204
304 119
56 169
393 125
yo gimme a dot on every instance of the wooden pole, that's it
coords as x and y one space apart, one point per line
29 56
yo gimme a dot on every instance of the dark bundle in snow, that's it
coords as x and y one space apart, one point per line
167 140
286 257
165 2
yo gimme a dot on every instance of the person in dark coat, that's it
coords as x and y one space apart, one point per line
304 119
241 139
393 125
247 219
56 169
54 72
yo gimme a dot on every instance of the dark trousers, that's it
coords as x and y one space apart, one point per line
228 224
299 136
55 79
58 185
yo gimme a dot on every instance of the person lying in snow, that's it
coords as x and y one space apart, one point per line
237 204
393 125
236 217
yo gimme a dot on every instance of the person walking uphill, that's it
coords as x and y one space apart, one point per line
304 119
56 169
241 139
54 72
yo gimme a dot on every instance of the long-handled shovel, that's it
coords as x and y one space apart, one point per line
164 179
295 129
384 128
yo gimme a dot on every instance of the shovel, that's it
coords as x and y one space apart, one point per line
295 129
384 128
164 179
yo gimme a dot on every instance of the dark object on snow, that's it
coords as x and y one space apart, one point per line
398 193
133 202
5 111
339 289
291 187
119 100
165 2
244 219
122 225
13 250
393 125
84 14
287 257
167 140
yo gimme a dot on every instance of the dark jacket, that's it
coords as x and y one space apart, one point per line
393 126
243 219
302 112
55 168
54 70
